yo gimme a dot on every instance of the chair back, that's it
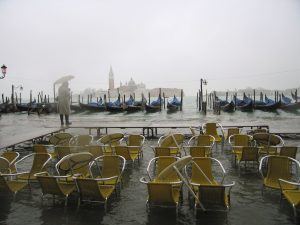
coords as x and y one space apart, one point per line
199 151
60 139
212 195
240 140
232 131
11 157
81 140
162 151
172 140
204 174
62 151
204 140
40 162
75 164
278 167
4 166
267 139
160 193
249 154
135 140
289 151
95 150
123 151
88 188
211 128
49 185
111 166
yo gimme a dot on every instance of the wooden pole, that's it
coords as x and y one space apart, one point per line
181 100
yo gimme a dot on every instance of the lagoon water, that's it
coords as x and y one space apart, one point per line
248 205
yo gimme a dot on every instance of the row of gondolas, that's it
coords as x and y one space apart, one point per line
129 106
91 170
247 104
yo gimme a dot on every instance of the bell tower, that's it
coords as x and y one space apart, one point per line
111 81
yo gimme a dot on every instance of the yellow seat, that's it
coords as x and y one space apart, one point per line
130 153
4 165
109 168
237 142
81 140
201 172
214 197
215 130
175 141
158 164
163 194
11 157
248 154
93 189
268 143
40 162
292 196
278 167
75 164
137 141
11 183
55 185
60 139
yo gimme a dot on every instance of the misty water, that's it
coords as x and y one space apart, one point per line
248 205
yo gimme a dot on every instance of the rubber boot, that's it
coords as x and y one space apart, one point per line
61 119
67 120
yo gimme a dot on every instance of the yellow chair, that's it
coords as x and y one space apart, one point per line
214 197
165 151
4 166
215 130
11 157
109 141
200 151
39 164
95 150
74 164
81 140
11 183
55 185
202 140
109 168
289 151
93 189
237 142
258 130
278 167
41 148
202 172
232 131
130 153
61 151
62 138
162 194
158 164
248 154
292 196
137 141
268 143
175 141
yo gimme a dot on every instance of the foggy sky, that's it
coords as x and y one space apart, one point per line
163 43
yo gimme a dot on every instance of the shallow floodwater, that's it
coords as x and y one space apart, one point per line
248 205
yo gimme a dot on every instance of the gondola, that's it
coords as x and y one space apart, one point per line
245 105
94 106
288 105
267 105
174 104
154 106
228 106
131 106
7 107
114 107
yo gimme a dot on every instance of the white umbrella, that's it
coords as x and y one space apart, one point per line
61 80
64 79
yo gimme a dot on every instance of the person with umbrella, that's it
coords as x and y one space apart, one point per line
64 97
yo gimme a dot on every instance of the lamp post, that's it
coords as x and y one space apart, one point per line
3 68
202 82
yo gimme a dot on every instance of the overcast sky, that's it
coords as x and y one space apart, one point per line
230 43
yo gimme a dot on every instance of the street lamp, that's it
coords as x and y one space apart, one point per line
3 68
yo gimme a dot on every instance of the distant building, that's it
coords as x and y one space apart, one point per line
111 81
